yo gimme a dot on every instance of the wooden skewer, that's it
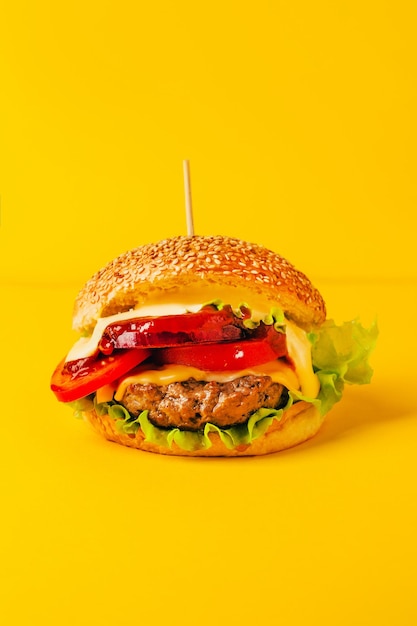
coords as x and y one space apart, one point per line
188 200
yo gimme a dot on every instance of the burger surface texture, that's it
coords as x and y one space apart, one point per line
191 404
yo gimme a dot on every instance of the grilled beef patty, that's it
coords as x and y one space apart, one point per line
189 405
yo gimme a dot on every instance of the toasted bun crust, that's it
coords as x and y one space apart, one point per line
299 423
133 278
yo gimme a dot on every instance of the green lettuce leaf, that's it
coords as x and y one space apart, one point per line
241 434
81 405
275 315
341 355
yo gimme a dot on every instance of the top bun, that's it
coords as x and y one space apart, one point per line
139 275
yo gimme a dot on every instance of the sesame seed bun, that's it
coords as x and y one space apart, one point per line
138 276
298 424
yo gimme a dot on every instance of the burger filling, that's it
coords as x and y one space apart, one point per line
179 377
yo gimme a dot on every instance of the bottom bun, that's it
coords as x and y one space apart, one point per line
299 423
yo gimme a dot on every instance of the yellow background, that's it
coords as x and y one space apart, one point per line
299 121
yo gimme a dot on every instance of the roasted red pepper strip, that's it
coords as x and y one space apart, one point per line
206 326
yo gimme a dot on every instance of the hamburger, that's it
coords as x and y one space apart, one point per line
207 346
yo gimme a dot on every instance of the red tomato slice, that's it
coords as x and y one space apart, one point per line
77 379
207 325
267 345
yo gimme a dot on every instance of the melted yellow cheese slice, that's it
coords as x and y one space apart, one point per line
279 371
299 350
